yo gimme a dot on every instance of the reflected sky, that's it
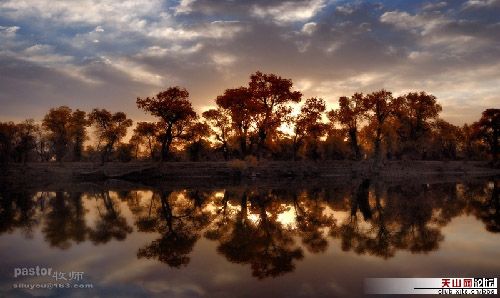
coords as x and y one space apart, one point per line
243 241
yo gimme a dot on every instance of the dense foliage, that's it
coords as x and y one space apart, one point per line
257 120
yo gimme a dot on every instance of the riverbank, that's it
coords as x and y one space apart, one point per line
234 171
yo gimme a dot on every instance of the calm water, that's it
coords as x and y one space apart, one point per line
247 241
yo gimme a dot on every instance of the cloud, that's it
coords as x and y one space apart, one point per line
175 50
290 11
435 6
418 23
8 31
109 52
184 7
212 30
135 71
481 3
84 11
309 28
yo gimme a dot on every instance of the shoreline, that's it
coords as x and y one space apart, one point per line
151 173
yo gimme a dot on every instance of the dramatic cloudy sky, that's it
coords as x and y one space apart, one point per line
91 53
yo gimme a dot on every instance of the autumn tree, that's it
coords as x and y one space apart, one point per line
7 135
219 121
242 108
110 129
17 141
415 111
66 128
78 132
349 115
487 129
175 111
273 96
379 106
146 133
25 140
308 123
196 134
471 146
43 145
445 140
57 122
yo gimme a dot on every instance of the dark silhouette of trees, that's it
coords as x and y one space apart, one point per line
78 132
444 142
257 121
379 106
219 122
57 122
8 132
308 124
414 111
273 96
110 129
242 108
488 130
24 140
66 129
197 145
146 133
350 114
175 111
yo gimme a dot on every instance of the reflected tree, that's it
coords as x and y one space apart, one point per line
257 238
18 210
485 205
65 220
180 220
111 224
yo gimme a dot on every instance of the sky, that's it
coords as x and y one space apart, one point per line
88 53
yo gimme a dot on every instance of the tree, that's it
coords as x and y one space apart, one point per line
77 129
66 129
110 129
147 132
220 122
471 146
488 130
175 111
273 96
242 109
414 112
350 113
57 122
308 123
379 105
445 140
43 148
196 134
24 140
7 136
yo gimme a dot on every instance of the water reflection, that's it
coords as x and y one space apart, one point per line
270 230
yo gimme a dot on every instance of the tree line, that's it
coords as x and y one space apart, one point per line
256 121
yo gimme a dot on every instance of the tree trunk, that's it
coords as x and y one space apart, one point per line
378 139
165 144
354 143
